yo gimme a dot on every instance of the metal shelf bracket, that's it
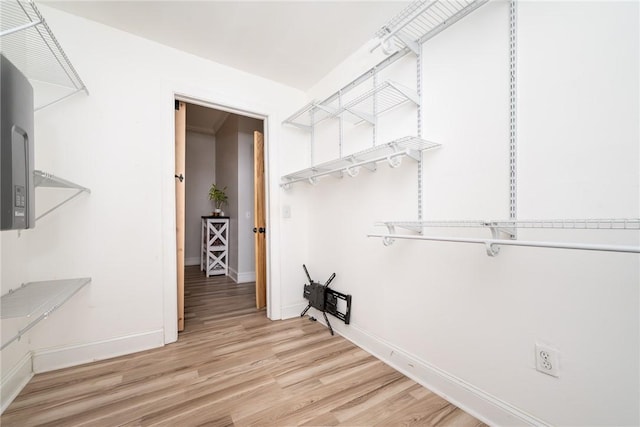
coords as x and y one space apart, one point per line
47 180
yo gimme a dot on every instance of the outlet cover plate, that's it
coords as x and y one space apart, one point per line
547 360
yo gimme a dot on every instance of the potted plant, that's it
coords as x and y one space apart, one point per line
219 197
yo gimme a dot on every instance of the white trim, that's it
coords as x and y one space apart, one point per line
247 276
244 277
201 95
476 402
192 261
63 357
15 380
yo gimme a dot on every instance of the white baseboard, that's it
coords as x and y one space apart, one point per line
58 358
15 380
484 406
192 261
244 277
247 276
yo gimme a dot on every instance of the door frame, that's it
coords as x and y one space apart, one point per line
249 108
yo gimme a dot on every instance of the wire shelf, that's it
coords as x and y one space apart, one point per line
386 96
27 41
47 180
36 300
44 179
311 114
422 20
574 224
392 151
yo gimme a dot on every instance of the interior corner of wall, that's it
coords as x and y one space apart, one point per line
15 380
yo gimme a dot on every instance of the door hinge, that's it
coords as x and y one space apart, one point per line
177 105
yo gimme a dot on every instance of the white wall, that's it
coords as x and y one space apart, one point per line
235 171
118 141
461 322
200 173
227 176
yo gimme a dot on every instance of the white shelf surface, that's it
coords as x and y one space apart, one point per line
44 179
27 41
312 114
422 20
36 300
385 96
581 224
392 152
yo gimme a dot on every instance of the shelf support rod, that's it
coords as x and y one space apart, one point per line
62 203
513 119
490 243
60 99
375 108
340 125
20 28
311 138
419 132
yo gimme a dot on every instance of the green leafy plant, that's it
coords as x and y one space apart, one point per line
218 195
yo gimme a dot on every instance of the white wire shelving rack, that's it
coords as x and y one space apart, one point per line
416 24
28 42
47 180
412 27
421 21
35 301
391 152
500 228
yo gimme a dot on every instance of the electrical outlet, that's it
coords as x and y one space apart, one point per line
547 360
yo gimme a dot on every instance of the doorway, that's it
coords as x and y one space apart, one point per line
220 147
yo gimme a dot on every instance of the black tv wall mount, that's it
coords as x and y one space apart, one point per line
326 300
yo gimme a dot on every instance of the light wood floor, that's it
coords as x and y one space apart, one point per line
233 366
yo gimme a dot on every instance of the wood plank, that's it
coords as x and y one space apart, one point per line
180 157
233 366
260 215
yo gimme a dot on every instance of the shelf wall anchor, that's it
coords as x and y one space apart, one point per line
394 162
388 241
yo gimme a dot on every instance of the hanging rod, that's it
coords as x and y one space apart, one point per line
394 160
391 152
492 245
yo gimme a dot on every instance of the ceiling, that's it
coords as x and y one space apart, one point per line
205 120
292 42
